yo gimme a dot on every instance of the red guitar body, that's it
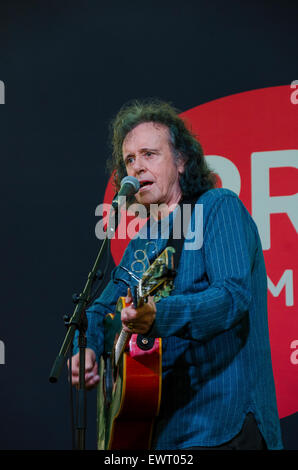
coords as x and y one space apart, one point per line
129 392
127 421
141 394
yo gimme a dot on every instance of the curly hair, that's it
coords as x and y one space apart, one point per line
196 178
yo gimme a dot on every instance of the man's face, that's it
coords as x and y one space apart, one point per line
148 156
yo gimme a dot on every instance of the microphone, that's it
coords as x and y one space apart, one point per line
129 186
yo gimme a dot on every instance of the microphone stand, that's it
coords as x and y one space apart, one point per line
78 321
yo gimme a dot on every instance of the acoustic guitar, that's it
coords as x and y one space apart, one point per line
130 369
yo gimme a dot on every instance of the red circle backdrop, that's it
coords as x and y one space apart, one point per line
234 128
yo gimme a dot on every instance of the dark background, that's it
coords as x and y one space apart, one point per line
68 66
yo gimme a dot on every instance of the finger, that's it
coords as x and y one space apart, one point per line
76 379
74 374
91 370
89 365
90 360
89 373
128 298
128 314
128 328
74 361
95 368
94 381
91 379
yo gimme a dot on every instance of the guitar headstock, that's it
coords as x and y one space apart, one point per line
158 279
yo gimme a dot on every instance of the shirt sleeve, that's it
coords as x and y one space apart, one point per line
104 304
228 252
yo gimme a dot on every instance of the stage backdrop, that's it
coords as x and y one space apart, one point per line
65 70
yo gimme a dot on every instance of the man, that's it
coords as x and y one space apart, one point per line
218 389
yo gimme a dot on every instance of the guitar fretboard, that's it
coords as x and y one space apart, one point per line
120 345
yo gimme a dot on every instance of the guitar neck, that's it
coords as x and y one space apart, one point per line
124 337
120 345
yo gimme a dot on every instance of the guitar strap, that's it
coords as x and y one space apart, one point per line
177 243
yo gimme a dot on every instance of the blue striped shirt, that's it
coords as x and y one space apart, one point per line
216 353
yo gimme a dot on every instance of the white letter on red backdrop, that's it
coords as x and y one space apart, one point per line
286 281
262 203
227 171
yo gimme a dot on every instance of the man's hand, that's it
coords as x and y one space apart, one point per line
138 320
91 369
